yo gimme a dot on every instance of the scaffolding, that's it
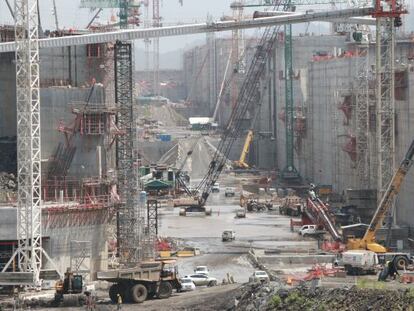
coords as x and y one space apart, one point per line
385 102
129 227
362 105
29 210
152 228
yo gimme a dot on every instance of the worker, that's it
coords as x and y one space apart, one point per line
119 304
389 269
392 269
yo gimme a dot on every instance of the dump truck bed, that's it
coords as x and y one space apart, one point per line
144 272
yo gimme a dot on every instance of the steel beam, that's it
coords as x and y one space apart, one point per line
180 30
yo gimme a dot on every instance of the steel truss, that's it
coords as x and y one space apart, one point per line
362 115
385 102
129 229
29 209
143 33
152 228
29 212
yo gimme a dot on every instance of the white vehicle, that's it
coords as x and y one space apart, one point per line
215 187
307 230
228 235
202 280
259 276
201 270
240 213
358 262
187 285
229 192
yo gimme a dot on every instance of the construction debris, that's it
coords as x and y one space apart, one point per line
274 297
8 182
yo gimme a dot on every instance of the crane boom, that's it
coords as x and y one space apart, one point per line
241 163
368 241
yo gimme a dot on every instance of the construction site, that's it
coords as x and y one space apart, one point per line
269 168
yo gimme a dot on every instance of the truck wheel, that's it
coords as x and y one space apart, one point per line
211 284
182 212
165 290
113 292
139 293
400 262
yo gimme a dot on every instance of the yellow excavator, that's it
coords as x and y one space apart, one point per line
241 163
368 242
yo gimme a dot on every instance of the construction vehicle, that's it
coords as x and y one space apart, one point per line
254 205
245 103
241 163
241 213
368 241
149 279
357 262
318 213
69 291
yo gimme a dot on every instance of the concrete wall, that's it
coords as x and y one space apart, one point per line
58 66
55 108
57 241
319 88
7 95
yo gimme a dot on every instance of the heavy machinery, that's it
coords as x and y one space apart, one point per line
69 291
148 279
241 163
368 241
246 102
318 213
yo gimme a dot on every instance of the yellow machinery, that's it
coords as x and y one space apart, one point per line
241 163
368 241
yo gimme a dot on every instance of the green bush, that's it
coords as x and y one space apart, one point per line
295 298
276 301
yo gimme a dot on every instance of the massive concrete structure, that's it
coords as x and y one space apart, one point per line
325 86
78 191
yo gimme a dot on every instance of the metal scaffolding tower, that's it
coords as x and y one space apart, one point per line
29 213
385 43
29 210
289 172
156 47
362 103
128 227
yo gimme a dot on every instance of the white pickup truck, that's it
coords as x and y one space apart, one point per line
310 230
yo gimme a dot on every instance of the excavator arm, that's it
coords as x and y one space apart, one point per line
368 241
